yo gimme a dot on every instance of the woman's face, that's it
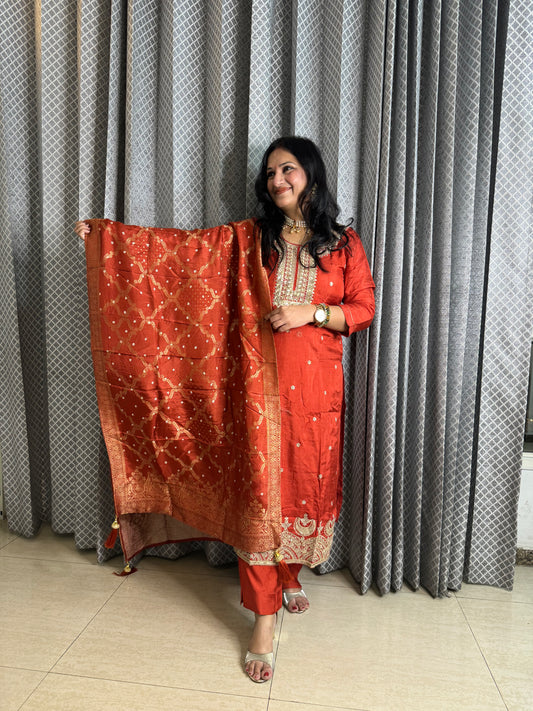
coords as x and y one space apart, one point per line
286 180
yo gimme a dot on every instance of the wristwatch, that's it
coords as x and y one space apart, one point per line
321 315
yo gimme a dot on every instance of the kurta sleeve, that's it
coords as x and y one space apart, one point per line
358 301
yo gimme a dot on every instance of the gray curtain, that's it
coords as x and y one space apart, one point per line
156 113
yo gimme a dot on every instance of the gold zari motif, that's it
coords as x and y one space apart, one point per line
302 541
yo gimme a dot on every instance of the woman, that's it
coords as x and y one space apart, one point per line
321 289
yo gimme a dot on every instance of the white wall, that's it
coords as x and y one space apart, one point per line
1 492
525 504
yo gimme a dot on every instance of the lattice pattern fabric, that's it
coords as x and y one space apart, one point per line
157 113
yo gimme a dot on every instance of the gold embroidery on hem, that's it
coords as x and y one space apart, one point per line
310 550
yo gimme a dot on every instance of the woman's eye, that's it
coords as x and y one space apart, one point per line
287 168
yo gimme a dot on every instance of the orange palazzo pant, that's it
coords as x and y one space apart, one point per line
261 588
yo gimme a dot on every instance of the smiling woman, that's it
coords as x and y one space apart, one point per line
153 114
286 180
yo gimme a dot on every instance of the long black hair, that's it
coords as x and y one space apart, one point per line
319 208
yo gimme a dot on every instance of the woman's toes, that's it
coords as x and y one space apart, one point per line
298 604
250 670
258 670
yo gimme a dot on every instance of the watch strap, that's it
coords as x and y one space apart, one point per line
327 310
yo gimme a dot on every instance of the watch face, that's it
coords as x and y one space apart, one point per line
320 315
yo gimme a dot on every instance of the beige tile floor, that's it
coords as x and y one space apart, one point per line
74 636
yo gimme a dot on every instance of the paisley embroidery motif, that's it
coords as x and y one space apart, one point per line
302 541
304 526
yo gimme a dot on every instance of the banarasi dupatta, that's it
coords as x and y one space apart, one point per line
186 382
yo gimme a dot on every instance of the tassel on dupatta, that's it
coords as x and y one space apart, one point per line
110 543
128 570
284 573
112 538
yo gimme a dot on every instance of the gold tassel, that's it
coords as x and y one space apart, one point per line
283 569
128 570
112 538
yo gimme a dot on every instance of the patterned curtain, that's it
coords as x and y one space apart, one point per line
157 113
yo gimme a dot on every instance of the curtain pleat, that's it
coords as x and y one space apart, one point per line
25 437
157 113
507 323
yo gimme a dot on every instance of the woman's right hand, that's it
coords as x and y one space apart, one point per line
82 229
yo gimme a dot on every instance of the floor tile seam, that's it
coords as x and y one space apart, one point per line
480 648
278 629
8 543
28 669
272 697
32 692
405 590
88 623
48 560
149 684
9 533
495 601
308 705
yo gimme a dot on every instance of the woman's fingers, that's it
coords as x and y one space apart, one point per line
291 316
276 318
82 228
279 318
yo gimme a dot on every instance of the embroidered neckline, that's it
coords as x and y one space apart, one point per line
295 279
293 244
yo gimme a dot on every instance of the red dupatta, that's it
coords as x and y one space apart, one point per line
186 382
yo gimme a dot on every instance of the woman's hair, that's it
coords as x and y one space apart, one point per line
318 206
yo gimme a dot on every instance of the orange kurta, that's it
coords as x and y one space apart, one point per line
310 381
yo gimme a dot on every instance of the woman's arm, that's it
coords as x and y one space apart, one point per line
358 301
284 318
357 309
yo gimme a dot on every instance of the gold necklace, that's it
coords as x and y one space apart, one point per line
295 225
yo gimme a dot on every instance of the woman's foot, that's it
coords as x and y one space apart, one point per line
295 600
261 645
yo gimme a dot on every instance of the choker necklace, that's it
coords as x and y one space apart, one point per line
295 225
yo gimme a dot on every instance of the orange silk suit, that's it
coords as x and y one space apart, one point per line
217 428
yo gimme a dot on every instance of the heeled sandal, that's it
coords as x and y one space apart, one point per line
267 658
289 596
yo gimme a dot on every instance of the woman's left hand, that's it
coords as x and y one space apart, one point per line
284 318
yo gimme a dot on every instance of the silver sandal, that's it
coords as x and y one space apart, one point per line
267 658
289 596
